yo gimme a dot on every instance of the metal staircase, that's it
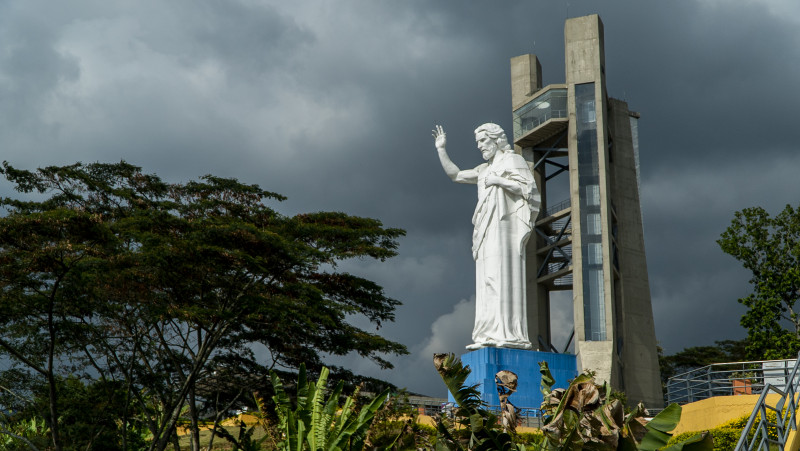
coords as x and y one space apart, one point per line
785 418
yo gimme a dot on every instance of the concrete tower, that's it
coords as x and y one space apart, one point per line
590 240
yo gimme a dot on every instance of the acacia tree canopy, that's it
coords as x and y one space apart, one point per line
110 273
770 248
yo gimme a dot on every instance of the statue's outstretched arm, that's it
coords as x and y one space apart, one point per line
457 175
440 140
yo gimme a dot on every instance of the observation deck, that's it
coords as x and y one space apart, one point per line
542 118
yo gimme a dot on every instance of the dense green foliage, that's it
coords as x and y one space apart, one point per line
161 292
396 422
529 438
769 247
89 413
727 434
404 434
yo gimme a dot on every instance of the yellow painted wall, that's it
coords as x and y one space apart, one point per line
712 412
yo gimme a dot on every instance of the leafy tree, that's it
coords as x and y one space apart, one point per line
699 356
45 248
770 248
89 414
112 273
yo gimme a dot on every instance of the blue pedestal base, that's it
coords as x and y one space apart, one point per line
486 362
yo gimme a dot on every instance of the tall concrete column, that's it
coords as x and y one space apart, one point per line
601 246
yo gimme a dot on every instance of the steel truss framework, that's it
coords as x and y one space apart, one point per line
555 226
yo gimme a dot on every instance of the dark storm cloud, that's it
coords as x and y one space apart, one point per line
717 84
30 68
236 33
332 104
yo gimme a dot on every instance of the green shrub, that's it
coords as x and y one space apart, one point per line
414 435
727 434
425 429
528 438
725 437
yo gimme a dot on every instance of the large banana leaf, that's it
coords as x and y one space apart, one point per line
319 431
659 428
454 375
356 432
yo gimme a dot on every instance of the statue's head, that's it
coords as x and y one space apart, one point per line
491 138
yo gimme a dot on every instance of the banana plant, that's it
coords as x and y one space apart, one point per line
316 423
470 415
582 417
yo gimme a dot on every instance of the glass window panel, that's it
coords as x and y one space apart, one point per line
550 104
599 313
593 195
595 254
590 115
593 224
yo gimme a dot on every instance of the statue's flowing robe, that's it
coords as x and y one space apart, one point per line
503 222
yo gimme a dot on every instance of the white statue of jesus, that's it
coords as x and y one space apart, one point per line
508 203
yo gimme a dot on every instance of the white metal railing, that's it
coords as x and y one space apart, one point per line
723 379
526 416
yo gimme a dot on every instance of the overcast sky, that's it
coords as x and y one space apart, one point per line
332 104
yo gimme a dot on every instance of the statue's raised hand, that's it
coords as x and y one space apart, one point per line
440 137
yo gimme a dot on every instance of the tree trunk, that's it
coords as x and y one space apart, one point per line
54 431
125 411
51 379
195 428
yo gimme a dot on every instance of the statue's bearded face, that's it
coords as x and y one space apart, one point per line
487 145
